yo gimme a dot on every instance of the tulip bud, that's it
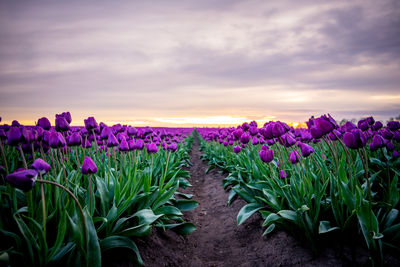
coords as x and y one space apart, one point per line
88 166
23 179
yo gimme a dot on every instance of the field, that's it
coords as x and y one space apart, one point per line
251 195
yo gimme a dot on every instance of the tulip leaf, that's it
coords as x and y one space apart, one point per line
325 227
269 229
288 214
185 228
112 242
186 205
246 211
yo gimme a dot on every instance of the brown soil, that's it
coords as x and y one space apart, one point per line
218 241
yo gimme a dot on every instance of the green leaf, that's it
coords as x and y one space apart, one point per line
112 242
146 216
269 229
247 211
325 227
185 228
186 205
271 218
288 214
168 210
93 246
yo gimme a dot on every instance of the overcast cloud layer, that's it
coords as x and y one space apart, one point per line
170 62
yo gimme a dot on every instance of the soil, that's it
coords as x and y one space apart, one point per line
218 241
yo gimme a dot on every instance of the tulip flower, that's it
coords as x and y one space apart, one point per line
88 166
172 147
152 148
44 123
245 138
294 157
91 124
24 179
393 125
62 124
237 149
14 136
282 174
306 150
378 125
112 141
41 166
74 140
266 155
123 146
354 139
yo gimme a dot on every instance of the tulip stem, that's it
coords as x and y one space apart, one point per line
33 151
63 166
91 194
151 171
43 207
23 157
77 203
95 143
77 159
120 171
165 173
4 156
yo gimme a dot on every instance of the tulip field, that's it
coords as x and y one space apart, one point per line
326 179
68 194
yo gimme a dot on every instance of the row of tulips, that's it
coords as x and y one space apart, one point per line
323 179
68 194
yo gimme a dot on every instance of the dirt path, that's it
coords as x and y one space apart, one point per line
218 241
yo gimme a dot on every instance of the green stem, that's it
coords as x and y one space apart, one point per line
91 194
151 172
165 173
23 156
83 221
4 157
43 207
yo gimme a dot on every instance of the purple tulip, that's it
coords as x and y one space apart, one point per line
363 125
139 144
253 131
282 174
41 166
23 179
245 138
15 123
348 126
62 124
354 139
131 131
378 125
123 146
294 157
88 166
237 149
44 123
306 150
237 133
91 124
266 155
74 140
389 146
316 132
287 140
86 144
14 136
152 148
3 135
106 132
112 141
393 125
172 147
377 142
278 129
396 154
387 134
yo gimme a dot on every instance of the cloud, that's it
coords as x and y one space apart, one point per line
136 59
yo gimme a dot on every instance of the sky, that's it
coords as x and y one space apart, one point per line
199 63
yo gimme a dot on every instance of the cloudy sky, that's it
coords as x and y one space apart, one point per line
199 62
